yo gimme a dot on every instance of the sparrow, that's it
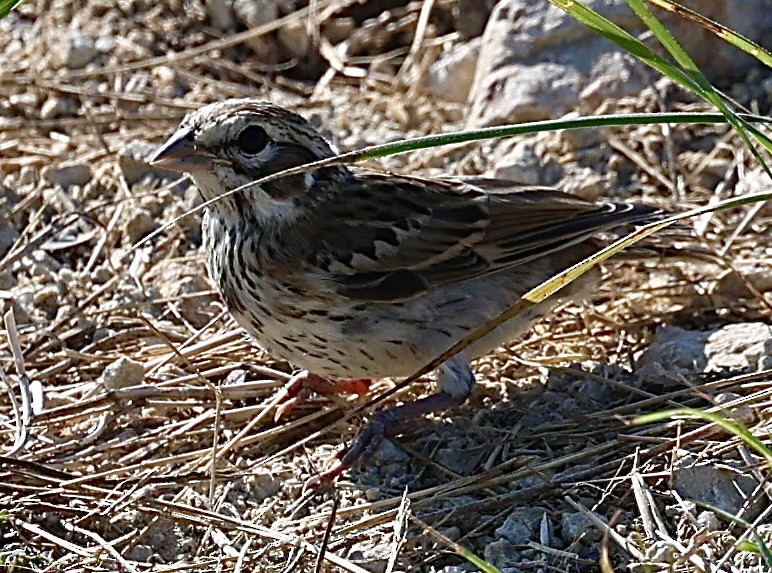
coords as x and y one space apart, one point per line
353 273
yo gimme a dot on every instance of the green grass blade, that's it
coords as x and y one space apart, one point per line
633 46
733 427
691 69
406 145
730 36
7 6
462 551
627 42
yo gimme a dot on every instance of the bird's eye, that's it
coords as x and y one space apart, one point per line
252 139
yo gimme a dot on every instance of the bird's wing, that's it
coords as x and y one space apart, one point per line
389 238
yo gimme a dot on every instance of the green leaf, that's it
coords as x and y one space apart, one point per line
729 425
6 6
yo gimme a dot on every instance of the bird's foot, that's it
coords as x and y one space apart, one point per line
386 424
302 384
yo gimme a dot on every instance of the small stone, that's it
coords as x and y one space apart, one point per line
105 44
521 526
27 176
720 486
57 106
452 533
123 373
661 552
294 38
141 553
742 346
575 525
221 14
264 486
450 77
79 50
744 414
501 553
372 494
139 225
7 280
709 521
69 174
254 13
8 236
47 300
389 453
520 164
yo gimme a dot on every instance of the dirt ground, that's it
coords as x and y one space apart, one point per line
150 442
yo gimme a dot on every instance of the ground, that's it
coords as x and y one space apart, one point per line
146 437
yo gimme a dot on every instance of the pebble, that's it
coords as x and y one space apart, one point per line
79 50
123 373
68 174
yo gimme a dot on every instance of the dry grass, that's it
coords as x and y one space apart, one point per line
189 471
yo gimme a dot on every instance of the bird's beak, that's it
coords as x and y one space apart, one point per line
179 153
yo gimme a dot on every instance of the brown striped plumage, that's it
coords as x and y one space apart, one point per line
352 273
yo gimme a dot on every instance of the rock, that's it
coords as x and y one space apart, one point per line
743 414
221 14
138 225
79 50
123 373
294 38
736 284
254 13
58 106
455 457
675 351
501 553
141 553
584 182
574 525
708 520
520 162
521 526
68 174
8 236
743 346
450 78
47 299
719 486
388 453
174 279
537 62
105 44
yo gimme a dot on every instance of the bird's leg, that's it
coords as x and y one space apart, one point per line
300 386
455 381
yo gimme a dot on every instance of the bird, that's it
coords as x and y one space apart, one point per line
355 273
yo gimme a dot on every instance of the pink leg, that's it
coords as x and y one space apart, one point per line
302 384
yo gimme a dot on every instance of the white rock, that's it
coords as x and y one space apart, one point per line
451 76
123 373
57 106
79 50
536 61
69 174
221 14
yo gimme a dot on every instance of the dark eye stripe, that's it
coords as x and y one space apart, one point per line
252 139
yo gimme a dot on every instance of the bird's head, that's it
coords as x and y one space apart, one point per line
228 144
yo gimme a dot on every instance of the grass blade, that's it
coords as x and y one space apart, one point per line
729 36
7 6
730 426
